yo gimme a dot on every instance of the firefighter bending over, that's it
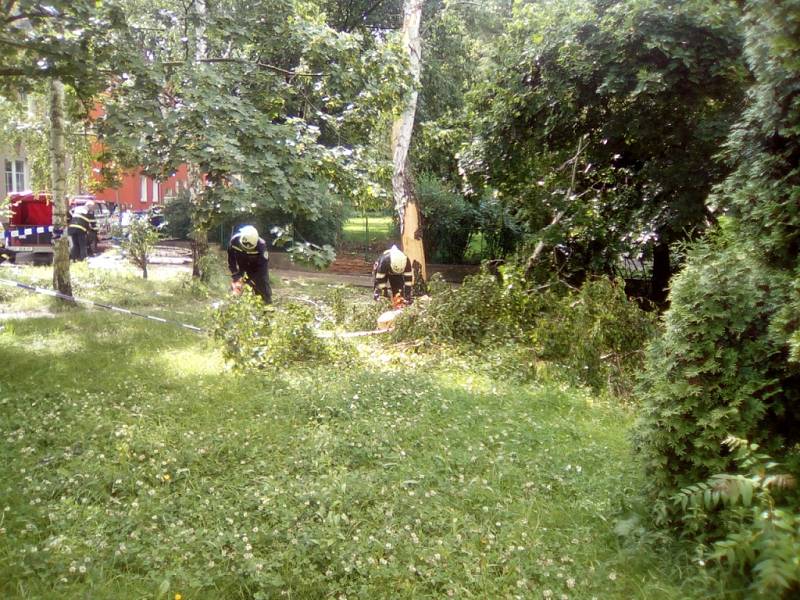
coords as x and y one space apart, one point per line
392 275
247 255
81 224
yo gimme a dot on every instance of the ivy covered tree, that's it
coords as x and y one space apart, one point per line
646 89
728 361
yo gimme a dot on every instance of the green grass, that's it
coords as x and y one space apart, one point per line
381 230
475 250
135 464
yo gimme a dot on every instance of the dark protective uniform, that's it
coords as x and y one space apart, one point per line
92 239
80 226
387 283
253 263
4 253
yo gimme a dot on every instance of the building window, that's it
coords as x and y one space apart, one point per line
155 191
143 189
15 175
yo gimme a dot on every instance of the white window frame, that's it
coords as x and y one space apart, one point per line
143 189
155 192
15 175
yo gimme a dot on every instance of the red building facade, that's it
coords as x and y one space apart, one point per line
138 192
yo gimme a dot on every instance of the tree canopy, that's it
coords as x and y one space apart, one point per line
651 90
271 103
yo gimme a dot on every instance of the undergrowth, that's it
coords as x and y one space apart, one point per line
594 334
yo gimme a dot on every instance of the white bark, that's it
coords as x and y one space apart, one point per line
404 200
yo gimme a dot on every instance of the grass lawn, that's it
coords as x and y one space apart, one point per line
381 230
135 464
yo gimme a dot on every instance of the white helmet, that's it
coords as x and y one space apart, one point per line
397 260
248 237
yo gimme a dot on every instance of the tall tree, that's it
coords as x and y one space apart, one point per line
402 185
69 42
271 113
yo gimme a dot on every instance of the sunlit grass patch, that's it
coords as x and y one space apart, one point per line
380 228
192 362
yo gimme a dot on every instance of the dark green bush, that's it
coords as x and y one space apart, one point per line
717 370
448 221
761 530
501 232
727 364
325 229
177 216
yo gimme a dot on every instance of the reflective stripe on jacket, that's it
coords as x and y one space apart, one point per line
241 260
83 222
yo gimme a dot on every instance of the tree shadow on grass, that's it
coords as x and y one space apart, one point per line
90 347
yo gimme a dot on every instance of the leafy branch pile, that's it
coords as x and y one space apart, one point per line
593 334
256 336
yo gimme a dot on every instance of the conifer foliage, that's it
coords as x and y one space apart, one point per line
727 363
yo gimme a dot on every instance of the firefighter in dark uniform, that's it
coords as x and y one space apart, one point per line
81 223
247 255
92 239
4 254
392 275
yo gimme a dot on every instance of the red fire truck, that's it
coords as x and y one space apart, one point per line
29 232
30 227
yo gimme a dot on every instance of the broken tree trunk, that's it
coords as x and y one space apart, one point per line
404 198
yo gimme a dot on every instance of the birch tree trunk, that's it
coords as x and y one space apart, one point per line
58 177
405 200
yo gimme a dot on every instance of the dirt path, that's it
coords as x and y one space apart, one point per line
349 268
